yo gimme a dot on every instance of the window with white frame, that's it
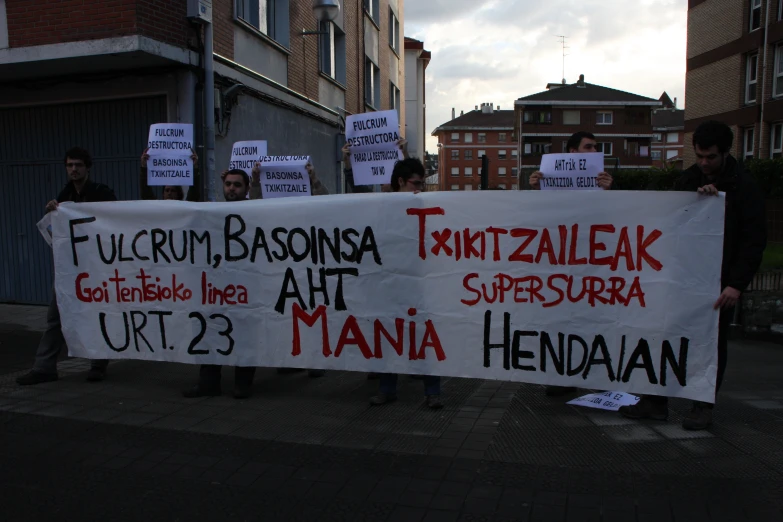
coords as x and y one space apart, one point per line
394 98
542 148
671 154
269 17
751 77
755 14
394 32
776 140
672 137
455 171
482 137
501 171
455 187
468 154
656 155
514 172
468 187
372 84
777 81
468 137
528 148
748 142
604 118
481 152
501 154
502 135
455 154
468 172
571 118
373 8
332 51
514 153
605 147
455 137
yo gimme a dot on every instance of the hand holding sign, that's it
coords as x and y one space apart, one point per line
374 144
245 154
571 172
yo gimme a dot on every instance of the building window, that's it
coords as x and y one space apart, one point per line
538 149
777 88
751 78
468 137
671 154
482 137
394 98
544 117
502 186
755 14
455 154
502 135
455 137
269 17
501 154
394 32
748 141
657 137
776 141
455 171
481 153
372 84
605 147
332 50
373 8
572 117
672 137
469 154
514 153
656 155
455 187
603 118
514 187
501 171
514 172
468 187
780 10
469 172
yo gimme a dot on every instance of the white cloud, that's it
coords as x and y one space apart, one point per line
498 51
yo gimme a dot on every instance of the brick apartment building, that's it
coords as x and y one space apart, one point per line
416 60
465 139
735 73
668 141
621 122
97 73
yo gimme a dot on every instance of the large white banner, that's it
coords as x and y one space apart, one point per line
612 291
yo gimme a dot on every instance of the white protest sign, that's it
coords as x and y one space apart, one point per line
571 171
170 148
284 176
610 401
373 140
517 286
245 154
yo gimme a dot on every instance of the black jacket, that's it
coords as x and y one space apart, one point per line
745 231
91 193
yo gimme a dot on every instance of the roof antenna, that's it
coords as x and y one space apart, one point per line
562 39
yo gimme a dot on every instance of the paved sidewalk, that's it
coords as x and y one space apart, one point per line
132 448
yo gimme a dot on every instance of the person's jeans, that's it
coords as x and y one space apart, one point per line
52 342
209 376
389 384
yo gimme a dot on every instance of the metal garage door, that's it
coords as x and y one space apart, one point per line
32 143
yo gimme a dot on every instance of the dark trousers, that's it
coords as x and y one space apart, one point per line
724 322
209 376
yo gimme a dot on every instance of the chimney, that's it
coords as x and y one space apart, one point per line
675 102
486 108
461 113
581 82
498 108
453 113
476 107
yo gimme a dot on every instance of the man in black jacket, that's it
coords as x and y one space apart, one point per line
80 189
744 241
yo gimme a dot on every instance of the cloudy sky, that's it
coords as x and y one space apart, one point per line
500 50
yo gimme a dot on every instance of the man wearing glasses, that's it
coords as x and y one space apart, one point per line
80 189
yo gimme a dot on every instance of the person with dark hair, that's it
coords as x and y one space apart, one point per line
579 142
348 170
79 189
408 176
744 241
170 192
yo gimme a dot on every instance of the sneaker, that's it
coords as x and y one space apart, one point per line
201 391
382 398
558 391
646 409
434 402
316 374
700 417
96 374
33 377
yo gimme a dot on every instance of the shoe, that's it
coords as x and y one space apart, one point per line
382 398
201 391
242 392
700 417
372 376
96 374
434 402
33 377
286 371
558 391
316 374
646 409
